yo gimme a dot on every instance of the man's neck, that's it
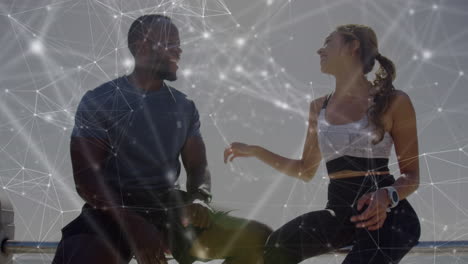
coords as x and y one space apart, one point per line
145 81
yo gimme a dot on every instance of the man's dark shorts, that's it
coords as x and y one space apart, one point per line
162 209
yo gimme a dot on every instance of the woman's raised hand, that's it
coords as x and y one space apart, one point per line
238 149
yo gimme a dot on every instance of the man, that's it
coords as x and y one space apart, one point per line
125 148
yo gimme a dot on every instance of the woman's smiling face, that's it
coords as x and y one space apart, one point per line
333 53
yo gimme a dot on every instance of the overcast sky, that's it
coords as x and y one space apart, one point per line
251 68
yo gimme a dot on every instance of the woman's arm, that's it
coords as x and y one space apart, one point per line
405 138
304 168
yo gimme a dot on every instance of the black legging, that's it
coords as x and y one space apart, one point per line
322 231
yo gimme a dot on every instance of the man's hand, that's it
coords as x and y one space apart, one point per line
375 214
198 215
146 241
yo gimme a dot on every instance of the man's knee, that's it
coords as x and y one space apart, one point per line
232 237
258 232
90 249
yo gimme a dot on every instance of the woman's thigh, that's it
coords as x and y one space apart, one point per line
309 235
390 243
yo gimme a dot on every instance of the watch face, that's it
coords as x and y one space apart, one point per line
395 196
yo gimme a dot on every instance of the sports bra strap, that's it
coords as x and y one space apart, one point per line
325 103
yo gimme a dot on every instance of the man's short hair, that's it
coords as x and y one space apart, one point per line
139 29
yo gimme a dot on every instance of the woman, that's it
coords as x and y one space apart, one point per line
353 129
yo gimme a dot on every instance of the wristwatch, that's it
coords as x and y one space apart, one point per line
202 194
392 195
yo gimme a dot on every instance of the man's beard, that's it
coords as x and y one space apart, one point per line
163 72
166 75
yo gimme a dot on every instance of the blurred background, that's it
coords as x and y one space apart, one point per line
252 69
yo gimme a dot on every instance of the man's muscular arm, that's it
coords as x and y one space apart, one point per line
198 181
88 156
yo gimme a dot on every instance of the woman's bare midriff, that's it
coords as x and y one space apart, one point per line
349 173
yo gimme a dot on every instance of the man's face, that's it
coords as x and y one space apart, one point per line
162 52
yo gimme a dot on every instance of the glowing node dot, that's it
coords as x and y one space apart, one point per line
460 149
411 11
94 62
187 72
6 90
240 42
37 47
285 205
206 35
436 83
439 109
435 7
281 105
115 16
269 2
415 57
427 54
128 63
222 76
50 174
461 73
238 68
9 15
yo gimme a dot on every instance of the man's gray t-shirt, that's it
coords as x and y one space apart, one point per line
146 132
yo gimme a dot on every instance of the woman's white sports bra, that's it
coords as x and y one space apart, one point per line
351 139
